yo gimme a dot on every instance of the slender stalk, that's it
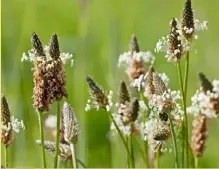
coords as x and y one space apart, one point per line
185 98
185 126
127 155
121 135
183 146
81 163
157 164
73 152
196 161
40 116
57 135
174 141
6 157
144 157
132 147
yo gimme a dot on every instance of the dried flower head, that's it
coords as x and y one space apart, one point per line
9 124
134 60
175 45
64 149
149 87
129 111
206 99
6 128
70 124
187 23
98 98
48 72
157 129
199 134
123 94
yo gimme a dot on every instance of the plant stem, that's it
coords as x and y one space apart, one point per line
144 157
174 141
196 161
81 163
127 155
185 98
132 147
73 152
121 135
183 146
6 157
57 135
158 157
185 126
40 116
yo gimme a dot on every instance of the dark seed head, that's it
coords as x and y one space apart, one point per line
205 83
123 93
37 45
54 47
134 47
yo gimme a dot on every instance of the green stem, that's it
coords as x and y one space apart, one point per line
144 156
132 147
158 157
40 116
196 161
57 135
183 146
174 141
121 135
73 152
185 98
6 157
127 155
185 134
81 163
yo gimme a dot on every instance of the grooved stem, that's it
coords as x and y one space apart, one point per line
57 135
73 152
40 116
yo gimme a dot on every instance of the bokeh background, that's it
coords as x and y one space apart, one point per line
96 32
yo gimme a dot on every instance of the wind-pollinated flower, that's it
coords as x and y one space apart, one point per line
64 149
199 134
37 45
175 45
9 124
187 22
6 131
179 40
54 47
205 83
98 98
123 94
48 72
206 99
134 60
70 124
156 129
133 46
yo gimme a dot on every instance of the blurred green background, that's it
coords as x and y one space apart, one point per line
96 32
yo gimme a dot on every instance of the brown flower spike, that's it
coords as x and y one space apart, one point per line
48 73
188 21
123 93
205 83
198 134
175 46
136 68
97 94
6 134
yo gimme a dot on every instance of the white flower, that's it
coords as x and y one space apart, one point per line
126 58
139 83
17 125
